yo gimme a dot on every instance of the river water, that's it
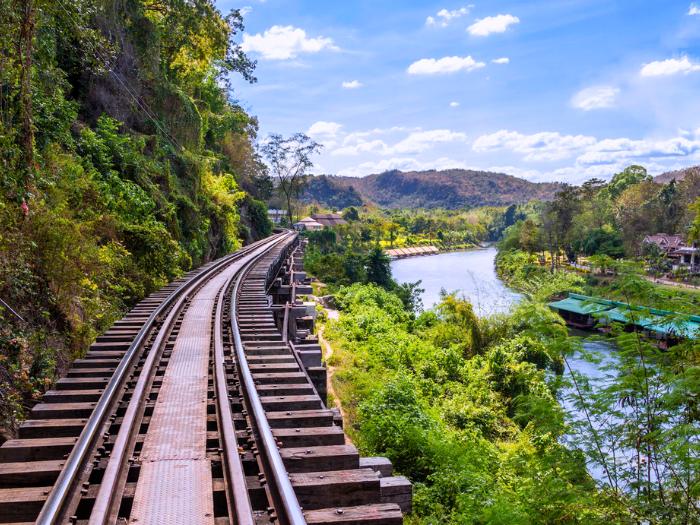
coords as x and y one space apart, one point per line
472 274
469 273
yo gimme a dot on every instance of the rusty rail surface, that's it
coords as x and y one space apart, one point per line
274 452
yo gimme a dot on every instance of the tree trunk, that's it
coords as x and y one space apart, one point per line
289 209
25 47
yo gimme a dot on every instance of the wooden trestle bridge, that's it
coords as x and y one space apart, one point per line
205 404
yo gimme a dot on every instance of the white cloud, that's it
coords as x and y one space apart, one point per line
543 146
324 129
671 66
352 84
609 151
595 97
573 158
591 157
416 141
492 24
502 60
432 66
445 16
694 10
454 104
246 10
284 43
420 141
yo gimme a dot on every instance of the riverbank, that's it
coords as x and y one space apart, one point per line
523 272
438 397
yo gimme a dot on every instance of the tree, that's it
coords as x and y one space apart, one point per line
378 268
603 241
351 214
289 160
694 232
637 208
530 236
628 177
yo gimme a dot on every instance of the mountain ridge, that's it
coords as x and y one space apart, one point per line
452 188
677 175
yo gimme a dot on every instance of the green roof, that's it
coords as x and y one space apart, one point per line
578 305
619 314
680 327
659 321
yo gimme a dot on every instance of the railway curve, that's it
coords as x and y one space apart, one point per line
204 404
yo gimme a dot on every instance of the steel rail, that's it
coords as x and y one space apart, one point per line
291 510
105 501
53 508
240 506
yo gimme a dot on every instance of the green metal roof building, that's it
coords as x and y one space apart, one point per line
583 311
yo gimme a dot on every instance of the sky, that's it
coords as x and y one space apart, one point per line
547 90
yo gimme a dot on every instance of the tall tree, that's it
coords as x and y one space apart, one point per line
289 160
24 52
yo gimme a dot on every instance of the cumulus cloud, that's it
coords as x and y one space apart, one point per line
671 66
445 16
591 157
543 146
352 84
492 24
694 10
609 151
502 60
440 66
542 156
284 43
419 141
323 129
454 104
596 97
414 141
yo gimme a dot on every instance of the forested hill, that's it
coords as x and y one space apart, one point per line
677 175
450 189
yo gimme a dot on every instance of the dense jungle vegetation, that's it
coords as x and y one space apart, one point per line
124 163
608 219
470 410
486 415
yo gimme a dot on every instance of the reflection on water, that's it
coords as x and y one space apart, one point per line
470 273
473 275
595 372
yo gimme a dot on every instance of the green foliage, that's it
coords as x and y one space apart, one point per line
126 175
603 241
609 219
478 432
641 426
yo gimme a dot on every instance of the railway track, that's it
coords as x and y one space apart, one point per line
204 404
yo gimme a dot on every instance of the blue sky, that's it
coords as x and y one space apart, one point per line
545 89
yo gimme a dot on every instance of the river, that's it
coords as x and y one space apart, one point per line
472 274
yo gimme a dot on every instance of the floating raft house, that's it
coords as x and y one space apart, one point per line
400 253
582 311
